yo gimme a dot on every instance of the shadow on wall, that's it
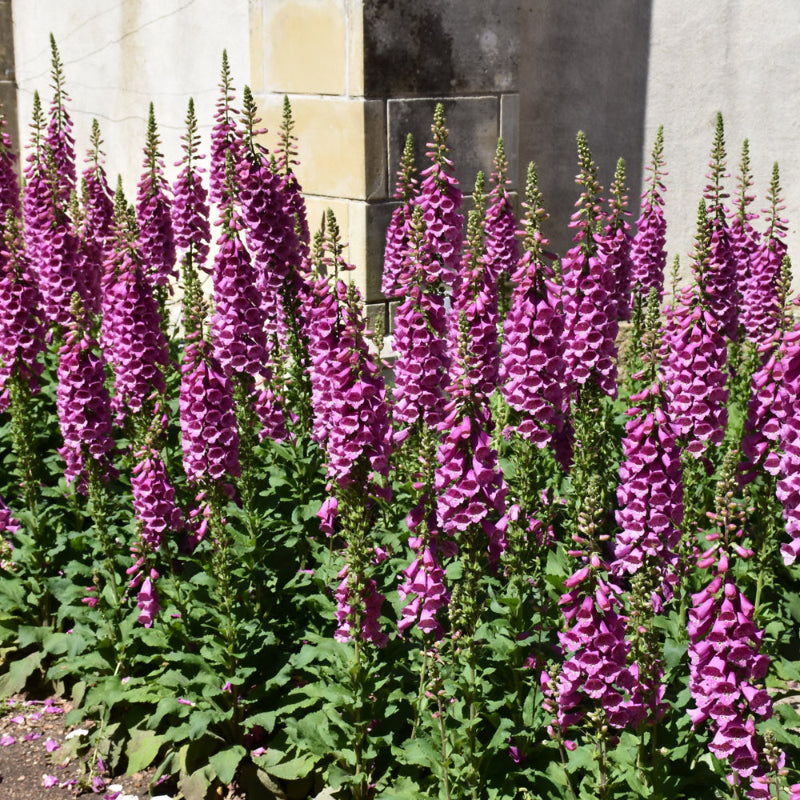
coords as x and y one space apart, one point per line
583 66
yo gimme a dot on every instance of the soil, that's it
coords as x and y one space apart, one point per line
32 760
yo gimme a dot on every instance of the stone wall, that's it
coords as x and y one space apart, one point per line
360 75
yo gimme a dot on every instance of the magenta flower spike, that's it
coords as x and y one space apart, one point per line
424 584
94 227
37 209
761 306
474 347
83 405
695 364
153 212
59 139
8 527
209 434
614 244
190 225
9 183
420 341
440 199
22 325
269 225
502 247
225 136
398 234
720 272
588 291
648 251
532 377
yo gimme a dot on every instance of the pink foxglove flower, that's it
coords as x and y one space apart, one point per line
721 268
153 498
532 364
208 423
440 199
225 136
761 303
424 583
84 408
9 183
788 441
648 251
588 292
502 248
190 225
147 600
22 328
399 231
59 140
371 602
153 212
614 244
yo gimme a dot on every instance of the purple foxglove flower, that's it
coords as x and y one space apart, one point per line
761 302
371 601
9 183
502 248
588 292
532 364
358 441
474 348
440 200
135 345
208 423
696 359
153 212
22 329
147 600
725 668
720 269
225 136
269 224
650 497
648 251
614 244
399 232
84 408
59 140
8 524
153 498
190 226
788 442
471 492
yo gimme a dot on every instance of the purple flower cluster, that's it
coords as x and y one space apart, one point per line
532 365
421 369
424 584
9 184
440 200
596 652
724 668
502 248
153 212
695 375
370 602
788 488
650 496
147 600
225 137
84 408
471 492
153 498
208 423
22 331
398 235
648 250
359 419
135 345
190 226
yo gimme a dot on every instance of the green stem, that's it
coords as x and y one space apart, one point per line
445 757
420 693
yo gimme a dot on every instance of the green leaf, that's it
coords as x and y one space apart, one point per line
195 786
142 750
18 673
226 761
404 789
291 770
674 652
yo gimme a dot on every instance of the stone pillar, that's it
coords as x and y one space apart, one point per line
8 83
360 75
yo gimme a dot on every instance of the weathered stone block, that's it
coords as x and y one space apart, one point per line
332 140
474 125
433 48
6 42
258 44
306 46
509 130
